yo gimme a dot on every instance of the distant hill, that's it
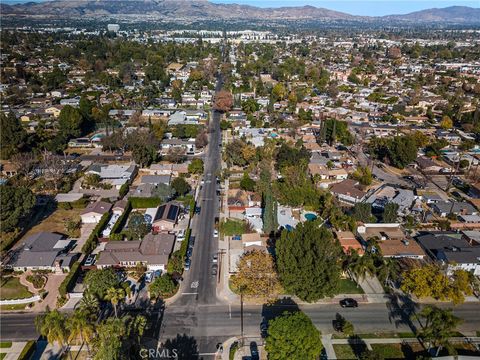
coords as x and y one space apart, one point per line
203 9
452 14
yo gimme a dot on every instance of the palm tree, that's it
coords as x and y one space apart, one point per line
360 265
90 304
389 270
79 325
439 326
115 295
52 325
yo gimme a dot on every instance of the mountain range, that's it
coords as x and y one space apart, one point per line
203 9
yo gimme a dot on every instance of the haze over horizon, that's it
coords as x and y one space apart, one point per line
362 8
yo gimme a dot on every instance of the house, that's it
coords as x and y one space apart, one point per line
404 198
156 179
453 249
392 241
428 165
349 242
152 251
253 215
45 251
239 245
181 118
116 175
166 217
94 212
444 208
119 207
348 191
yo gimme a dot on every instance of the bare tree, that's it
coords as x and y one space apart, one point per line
25 163
53 168
223 100
202 139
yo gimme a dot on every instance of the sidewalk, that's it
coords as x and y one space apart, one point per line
13 351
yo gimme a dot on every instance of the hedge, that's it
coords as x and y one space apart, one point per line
28 350
142 203
123 190
184 246
192 207
89 246
70 279
122 219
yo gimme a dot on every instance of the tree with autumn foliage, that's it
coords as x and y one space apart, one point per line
256 276
223 100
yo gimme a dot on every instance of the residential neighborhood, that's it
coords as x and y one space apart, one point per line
236 193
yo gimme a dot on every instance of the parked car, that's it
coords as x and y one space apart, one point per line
90 260
189 252
215 258
214 271
148 276
215 233
348 303
187 264
254 351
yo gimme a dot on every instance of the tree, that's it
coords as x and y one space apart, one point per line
390 213
176 155
308 261
72 226
115 295
223 100
247 183
279 92
12 137
363 212
180 185
90 305
144 155
201 140
70 122
250 106
439 326
293 336
97 282
430 281
162 286
359 266
54 168
16 203
363 175
446 122
256 275
345 326
196 166
109 339
52 325
79 324
137 227
163 191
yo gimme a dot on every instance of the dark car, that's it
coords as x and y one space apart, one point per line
197 210
189 252
254 351
348 303
187 264
214 269
264 328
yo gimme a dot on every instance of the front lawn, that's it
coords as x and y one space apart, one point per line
344 351
5 344
232 227
389 351
12 289
348 286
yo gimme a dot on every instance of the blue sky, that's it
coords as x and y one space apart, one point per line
361 7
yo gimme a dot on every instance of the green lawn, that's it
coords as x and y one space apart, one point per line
2 356
389 351
232 227
13 307
5 344
12 289
344 351
348 286
379 335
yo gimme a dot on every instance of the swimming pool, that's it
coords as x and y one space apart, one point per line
310 216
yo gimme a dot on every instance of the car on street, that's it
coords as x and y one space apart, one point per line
187 264
189 252
197 210
348 303
264 328
214 269
215 233
215 258
254 351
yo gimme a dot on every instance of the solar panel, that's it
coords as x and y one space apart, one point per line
160 212
172 213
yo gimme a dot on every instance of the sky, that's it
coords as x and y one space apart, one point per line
361 7
354 7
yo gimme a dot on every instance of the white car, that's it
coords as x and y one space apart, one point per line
215 233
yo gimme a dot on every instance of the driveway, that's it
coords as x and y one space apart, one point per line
85 232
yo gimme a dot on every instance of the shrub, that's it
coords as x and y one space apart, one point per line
69 280
122 219
123 190
91 242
